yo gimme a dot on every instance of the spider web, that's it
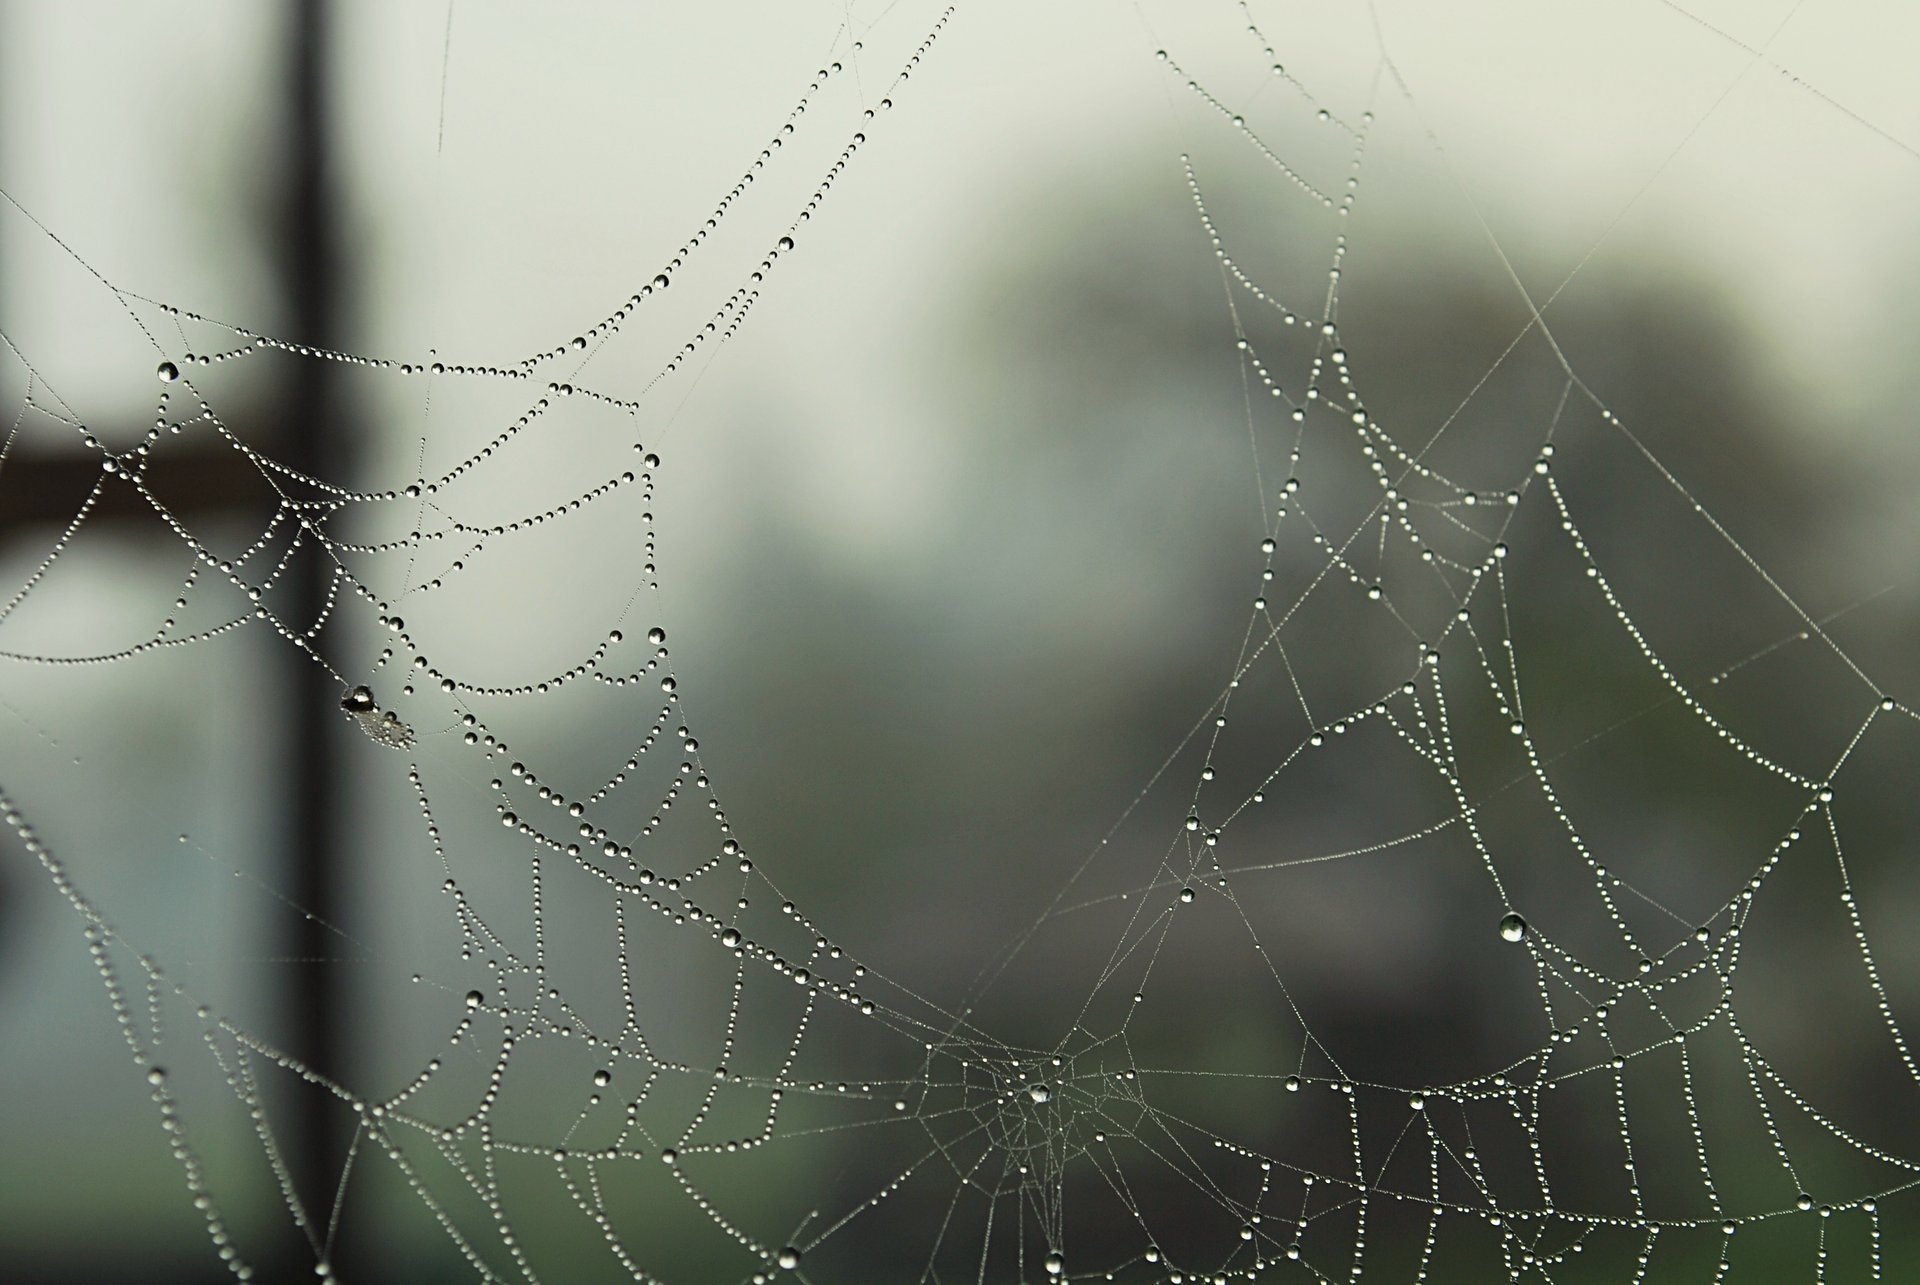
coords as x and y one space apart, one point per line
1486 906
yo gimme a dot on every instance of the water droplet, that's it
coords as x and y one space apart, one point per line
157 1076
1055 1264
656 635
358 701
602 1078
669 1156
167 371
475 999
1186 894
1293 1084
789 1258
1512 927
730 938
1804 1203
1040 1093
786 243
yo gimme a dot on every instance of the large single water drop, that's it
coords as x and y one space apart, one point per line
167 371
358 701
788 1258
1040 1093
1513 927
1055 1264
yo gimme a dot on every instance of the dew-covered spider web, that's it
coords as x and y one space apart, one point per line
1457 828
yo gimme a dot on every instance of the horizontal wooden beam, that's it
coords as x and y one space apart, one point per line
195 482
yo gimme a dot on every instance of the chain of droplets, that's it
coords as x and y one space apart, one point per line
1360 419
1640 1221
1618 1062
1410 463
733 312
110 466
781 1081
683 910
608 325
99 934
168 624
1272 55
1239 123
59 546
727 319
170 371
232 568
132 470
644 878
1755 1066
1660 667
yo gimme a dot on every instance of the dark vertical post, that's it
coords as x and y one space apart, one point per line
314 442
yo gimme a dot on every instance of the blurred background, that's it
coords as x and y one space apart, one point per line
955 543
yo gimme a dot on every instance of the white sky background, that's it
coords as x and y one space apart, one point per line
582 142
578 141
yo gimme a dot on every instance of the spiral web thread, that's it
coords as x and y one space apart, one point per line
981 1156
